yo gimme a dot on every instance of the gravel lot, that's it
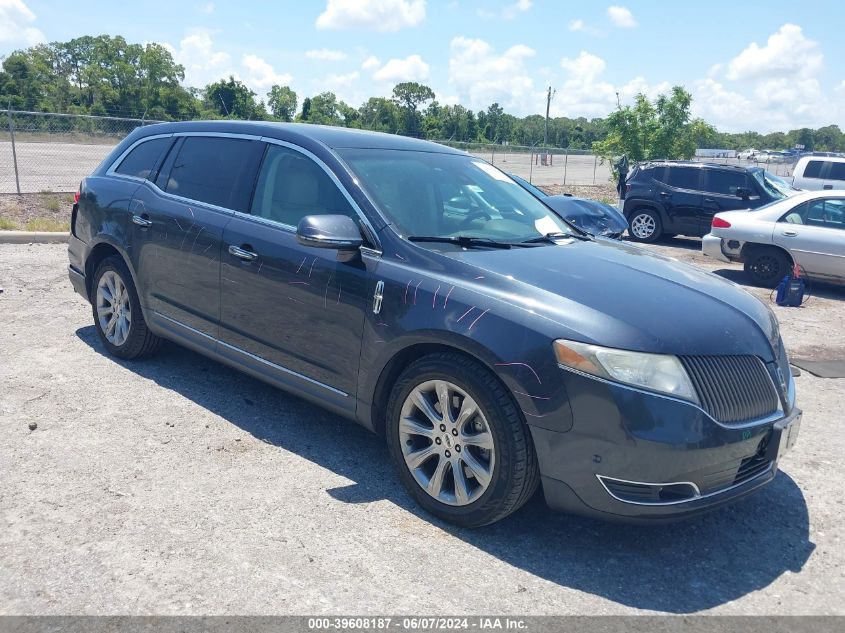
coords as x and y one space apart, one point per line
178 486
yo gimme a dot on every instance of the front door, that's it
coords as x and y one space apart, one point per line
295 310
720 188
817 242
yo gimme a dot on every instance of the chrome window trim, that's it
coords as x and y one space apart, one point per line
116 162
253 356
777 415
697 497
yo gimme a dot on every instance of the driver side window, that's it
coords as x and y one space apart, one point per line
291 186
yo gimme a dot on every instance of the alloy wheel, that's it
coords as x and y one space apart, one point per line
446 442
114 311
643 226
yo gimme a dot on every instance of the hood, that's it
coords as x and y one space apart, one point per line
592 216
619 295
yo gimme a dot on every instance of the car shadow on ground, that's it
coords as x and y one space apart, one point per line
675 568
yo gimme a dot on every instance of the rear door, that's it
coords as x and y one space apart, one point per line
682 200
720 194
179 226
292 310
817 241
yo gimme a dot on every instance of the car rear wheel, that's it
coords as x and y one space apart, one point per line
645 226
458 441
117 312
767 266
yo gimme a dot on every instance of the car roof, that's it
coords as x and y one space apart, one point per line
832 159
693 163
332 137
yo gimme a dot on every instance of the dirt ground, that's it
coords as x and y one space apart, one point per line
178 486
45 211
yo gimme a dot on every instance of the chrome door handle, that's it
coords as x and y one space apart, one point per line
141 221
242 253
789 233
708 200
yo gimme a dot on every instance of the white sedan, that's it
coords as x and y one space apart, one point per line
807 229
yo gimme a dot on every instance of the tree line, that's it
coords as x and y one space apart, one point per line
107 75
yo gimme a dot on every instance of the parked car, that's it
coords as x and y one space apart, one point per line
807 229
748 154
591 216
819 173
667 198
494 353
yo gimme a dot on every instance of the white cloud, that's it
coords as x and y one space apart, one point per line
16 24
481 76
787 52
412 68
326 54
337 83
207 8
577 25
374 15
371 63
203 64
261 76
508 12
621 17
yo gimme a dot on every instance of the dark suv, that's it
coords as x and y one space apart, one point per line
667 198
494 348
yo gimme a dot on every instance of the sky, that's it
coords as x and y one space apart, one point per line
751 65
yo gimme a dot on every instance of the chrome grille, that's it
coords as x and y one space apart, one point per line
732 389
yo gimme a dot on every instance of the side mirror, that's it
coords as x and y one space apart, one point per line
339 232
743 192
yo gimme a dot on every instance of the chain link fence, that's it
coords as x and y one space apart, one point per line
42 152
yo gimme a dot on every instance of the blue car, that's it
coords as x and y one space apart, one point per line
423 294
591 216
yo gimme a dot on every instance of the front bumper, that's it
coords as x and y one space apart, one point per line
627 450
712 247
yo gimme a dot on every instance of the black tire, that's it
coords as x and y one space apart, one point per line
640 221
139 342
515 474
767 266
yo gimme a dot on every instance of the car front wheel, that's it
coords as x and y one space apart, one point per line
645 226
458 441
117 312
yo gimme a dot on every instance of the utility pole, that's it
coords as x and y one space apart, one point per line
549 95
618 103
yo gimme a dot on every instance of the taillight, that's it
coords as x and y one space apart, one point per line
76 197
719 223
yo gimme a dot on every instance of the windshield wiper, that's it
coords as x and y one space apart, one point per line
552 238
461 240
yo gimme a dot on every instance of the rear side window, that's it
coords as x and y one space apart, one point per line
826 213
837 171
143 158
684 177
724 181
813 169
218 171
660 174
291 186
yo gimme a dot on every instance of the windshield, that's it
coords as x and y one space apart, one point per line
773 185
450 195
527 185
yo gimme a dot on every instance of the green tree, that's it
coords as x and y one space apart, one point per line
379 114
647 130
325 109
282 102
231 98
409 96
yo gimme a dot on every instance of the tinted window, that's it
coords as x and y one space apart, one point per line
660 174
141 160
724 181
837 171
291 186
813 169
684 177
218 171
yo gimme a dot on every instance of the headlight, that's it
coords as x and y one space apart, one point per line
657 372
